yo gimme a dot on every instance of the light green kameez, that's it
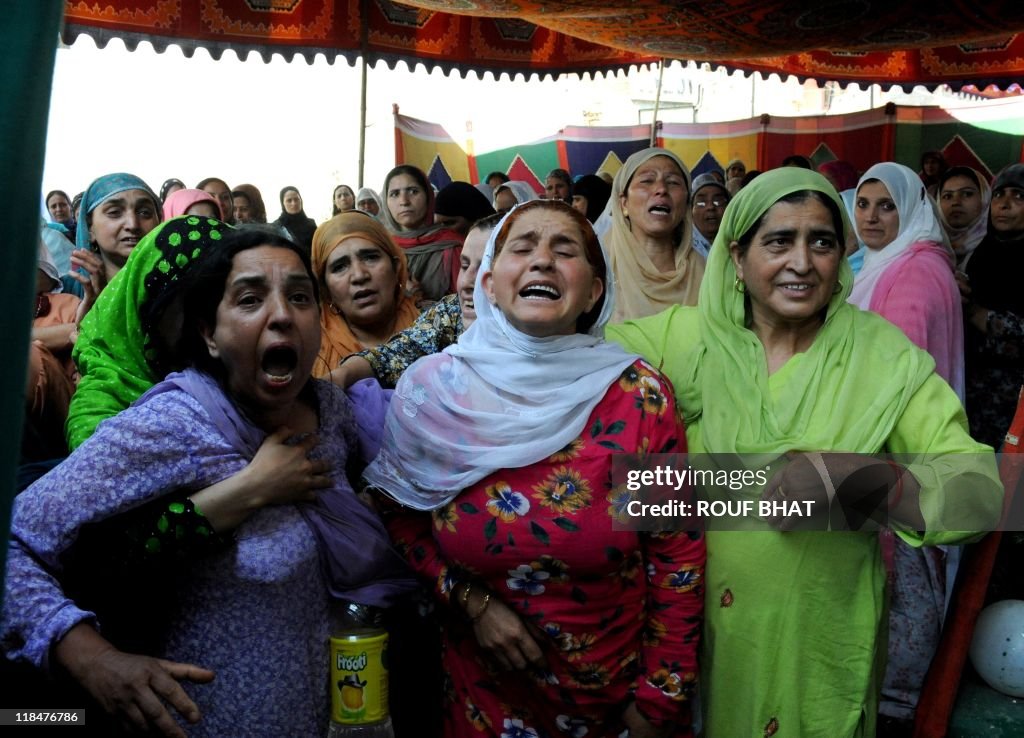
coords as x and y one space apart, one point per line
794 638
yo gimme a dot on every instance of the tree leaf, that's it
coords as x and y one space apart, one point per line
469 507
491 529
617 427
540 534
566 524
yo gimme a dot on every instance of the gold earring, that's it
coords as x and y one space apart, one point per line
739 286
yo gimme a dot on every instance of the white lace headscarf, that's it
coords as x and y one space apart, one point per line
498 399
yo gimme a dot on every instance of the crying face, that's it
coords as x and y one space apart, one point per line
267 331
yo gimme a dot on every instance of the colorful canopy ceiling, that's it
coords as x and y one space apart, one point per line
866 41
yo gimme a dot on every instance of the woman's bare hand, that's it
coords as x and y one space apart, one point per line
280 473
503 635
641 727
798 495
351 371
283 472
134 689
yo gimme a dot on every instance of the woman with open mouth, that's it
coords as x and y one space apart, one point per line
554 621
247 455
650 241
362 275
117 211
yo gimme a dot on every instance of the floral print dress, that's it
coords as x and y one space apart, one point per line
617 613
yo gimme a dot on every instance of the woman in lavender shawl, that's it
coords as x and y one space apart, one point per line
253 610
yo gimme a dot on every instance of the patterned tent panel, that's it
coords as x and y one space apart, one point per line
857 40
585 149
528 162
722 141
987 137
429 147
860 41
334 27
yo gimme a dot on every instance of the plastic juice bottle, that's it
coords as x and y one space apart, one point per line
359 675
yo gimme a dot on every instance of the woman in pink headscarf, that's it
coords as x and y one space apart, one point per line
191 202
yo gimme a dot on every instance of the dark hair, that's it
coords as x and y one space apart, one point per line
288 188
486 223
958 171
501 175
160 313
749 177
561 174
168 184
51 193
798 160
334 196
421 179
591 244
795 198
464 200
414 172
205 289
203 182
596 191
252 194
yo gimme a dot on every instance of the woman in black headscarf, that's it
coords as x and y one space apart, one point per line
994 313
459 205
590 194
293 219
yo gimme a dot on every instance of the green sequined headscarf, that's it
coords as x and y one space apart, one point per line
115 349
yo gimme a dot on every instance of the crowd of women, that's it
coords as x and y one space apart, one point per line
232 425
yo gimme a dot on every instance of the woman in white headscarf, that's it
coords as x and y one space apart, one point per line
509 194
907 278
508 438
649 241
369 201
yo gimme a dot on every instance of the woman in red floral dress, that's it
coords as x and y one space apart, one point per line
558 621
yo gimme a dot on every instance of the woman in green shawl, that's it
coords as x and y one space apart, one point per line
114 349
774 364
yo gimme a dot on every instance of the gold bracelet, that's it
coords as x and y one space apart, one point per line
483 608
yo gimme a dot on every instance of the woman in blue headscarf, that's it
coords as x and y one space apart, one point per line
117 211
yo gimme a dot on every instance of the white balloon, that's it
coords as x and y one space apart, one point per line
997 650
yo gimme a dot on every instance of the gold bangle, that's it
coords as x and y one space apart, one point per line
483 608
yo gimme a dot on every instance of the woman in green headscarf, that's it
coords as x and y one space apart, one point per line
774 364
114 349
